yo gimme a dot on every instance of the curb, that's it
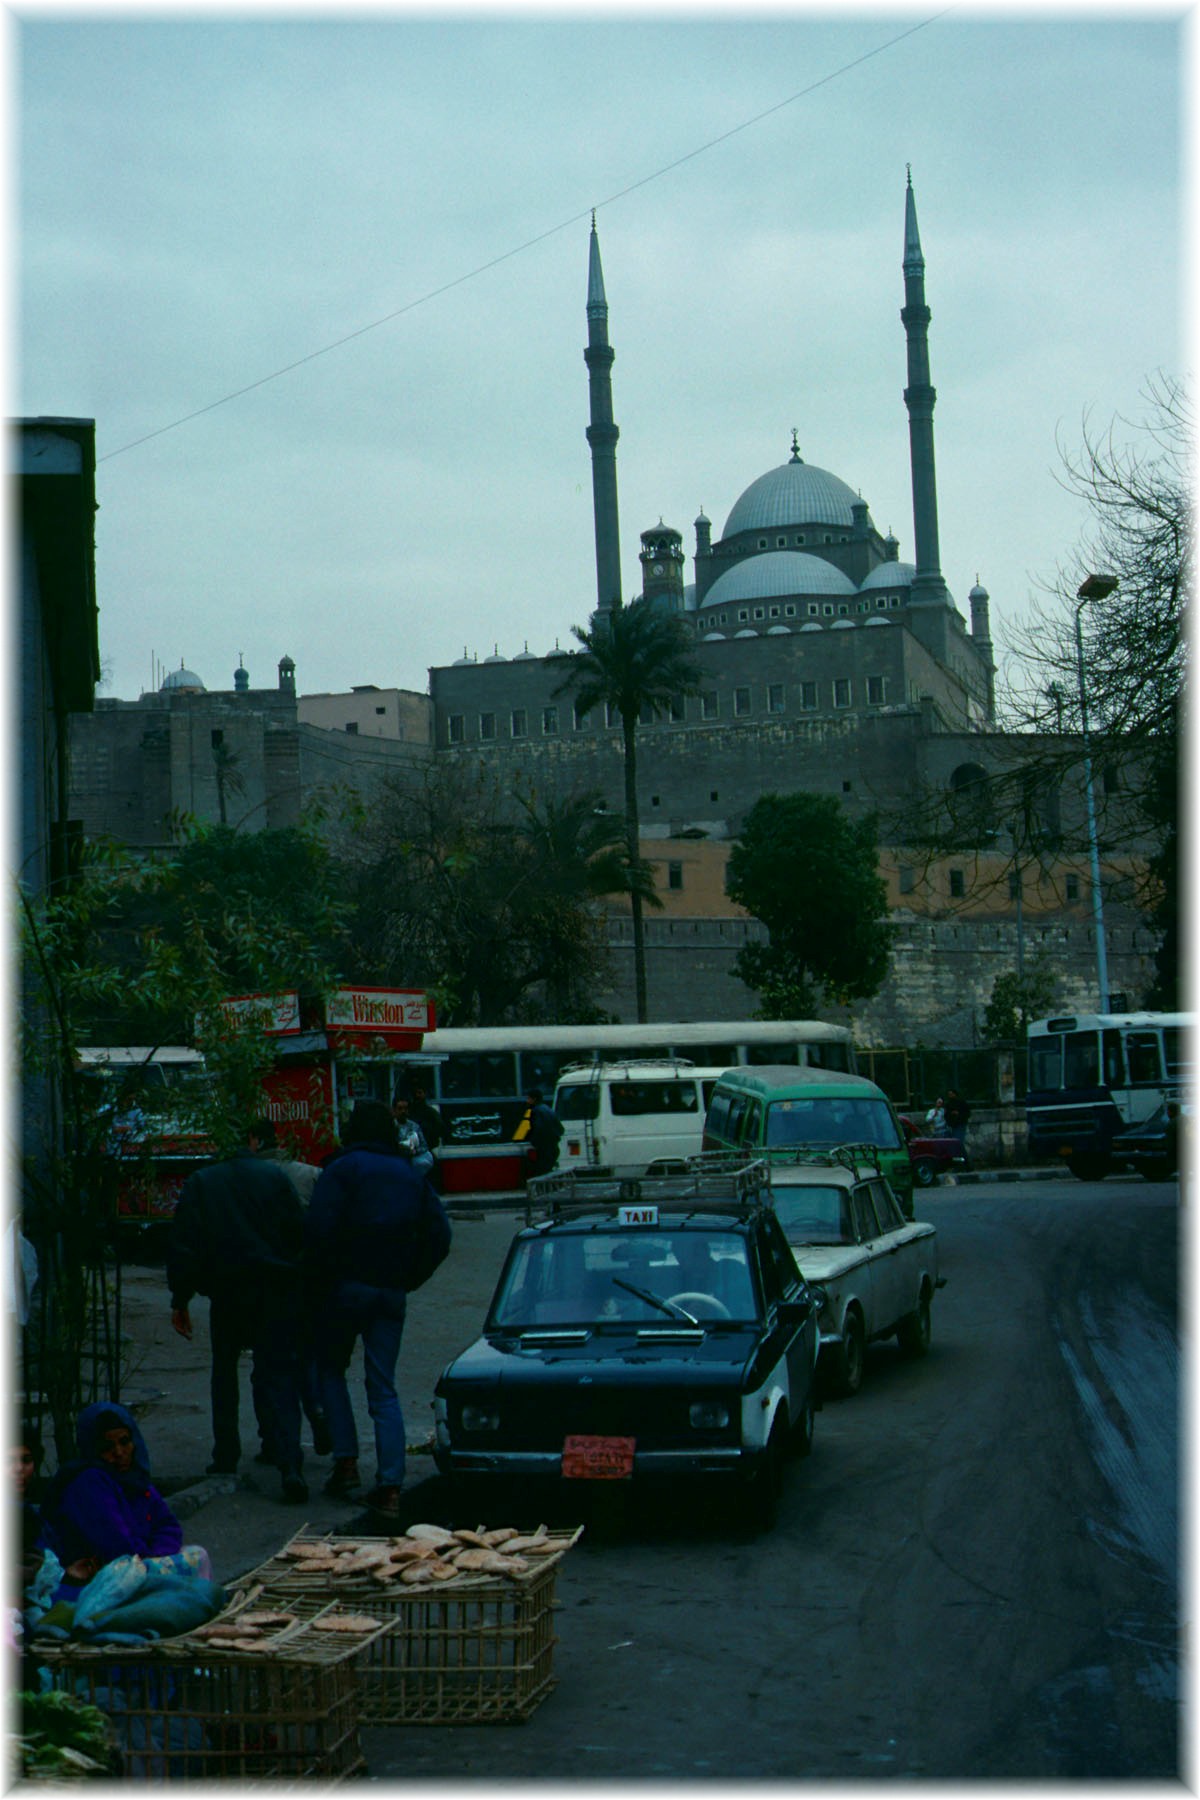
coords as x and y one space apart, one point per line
969 1177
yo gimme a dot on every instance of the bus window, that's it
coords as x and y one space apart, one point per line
1045 1063
710 1056
539 1069
1081 1059
1114 1059
774 1053
1143 1052
831 1056
1175 1051
470 1077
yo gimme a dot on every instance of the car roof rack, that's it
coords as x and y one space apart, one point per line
610 1064
846 1156
716 1181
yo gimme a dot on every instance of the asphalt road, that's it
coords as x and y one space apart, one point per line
975 1575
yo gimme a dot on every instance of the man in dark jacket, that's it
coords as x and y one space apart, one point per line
374 1230
545 1130
237 1236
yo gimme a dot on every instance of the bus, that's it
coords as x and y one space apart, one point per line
478 1076
1092 1075
145 1101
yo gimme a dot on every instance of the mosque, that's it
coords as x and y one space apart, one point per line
829 664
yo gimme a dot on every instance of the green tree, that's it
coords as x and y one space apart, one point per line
485 896
810 874
635 660
1016 1000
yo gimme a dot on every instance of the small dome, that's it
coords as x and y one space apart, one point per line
796 493
877 619
779 631
811 626
714 637
181 681
978 592
776 574
525 655
889 575
746 631
495 657
842 625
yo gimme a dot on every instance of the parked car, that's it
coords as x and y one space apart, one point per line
931 1157
1152 1148
641 1329
774 1108
877 1271
626 1116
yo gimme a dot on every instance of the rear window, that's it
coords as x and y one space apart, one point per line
634 1099
813 1215
827 1120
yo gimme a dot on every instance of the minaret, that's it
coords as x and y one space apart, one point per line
602 435
920 397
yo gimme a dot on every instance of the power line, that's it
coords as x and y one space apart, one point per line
530 243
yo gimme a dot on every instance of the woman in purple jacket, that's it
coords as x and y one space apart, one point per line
102 1504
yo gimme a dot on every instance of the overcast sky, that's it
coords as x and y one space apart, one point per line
201 202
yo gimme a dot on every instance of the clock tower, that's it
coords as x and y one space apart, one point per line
661 557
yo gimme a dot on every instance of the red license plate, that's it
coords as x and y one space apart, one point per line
597 1458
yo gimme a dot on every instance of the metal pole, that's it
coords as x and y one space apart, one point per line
1093 845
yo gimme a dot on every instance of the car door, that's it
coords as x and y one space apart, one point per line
795 1344
894 1252
878 1274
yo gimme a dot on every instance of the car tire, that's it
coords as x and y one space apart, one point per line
1157 1171
760 1497
925 1171
1090 1167
851 1355
802 1430
916 1329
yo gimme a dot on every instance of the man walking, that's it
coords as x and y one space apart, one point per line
375 1230
545 1130
237 1237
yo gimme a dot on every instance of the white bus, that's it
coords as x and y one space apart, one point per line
480 1074
1092 1075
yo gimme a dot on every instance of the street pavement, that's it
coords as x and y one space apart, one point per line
241 1519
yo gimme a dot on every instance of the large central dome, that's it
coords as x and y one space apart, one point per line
796 493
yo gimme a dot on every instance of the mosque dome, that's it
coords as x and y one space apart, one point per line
181 681
775 573
795 494
889 575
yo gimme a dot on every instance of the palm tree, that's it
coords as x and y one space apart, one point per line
635 658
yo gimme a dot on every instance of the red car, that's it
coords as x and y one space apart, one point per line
931 1157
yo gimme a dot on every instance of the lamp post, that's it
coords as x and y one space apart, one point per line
1094 587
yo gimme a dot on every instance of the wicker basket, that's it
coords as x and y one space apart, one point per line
476 1650
184 1710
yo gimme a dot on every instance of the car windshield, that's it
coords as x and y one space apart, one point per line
813 1215
825 1120
634 1275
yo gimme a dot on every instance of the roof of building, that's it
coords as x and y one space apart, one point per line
889 575
181 680
795 494
775 573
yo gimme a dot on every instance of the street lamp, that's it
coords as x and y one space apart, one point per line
1094 587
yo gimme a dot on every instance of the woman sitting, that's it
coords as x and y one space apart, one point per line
103 1504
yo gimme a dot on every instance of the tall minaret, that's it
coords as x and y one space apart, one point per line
602 435
919 397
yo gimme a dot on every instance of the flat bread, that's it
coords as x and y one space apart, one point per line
347 1622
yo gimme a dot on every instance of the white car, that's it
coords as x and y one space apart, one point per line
878 1270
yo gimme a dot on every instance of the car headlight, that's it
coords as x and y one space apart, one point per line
708 1415
480 1418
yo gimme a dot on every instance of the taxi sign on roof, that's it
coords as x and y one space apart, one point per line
637 1215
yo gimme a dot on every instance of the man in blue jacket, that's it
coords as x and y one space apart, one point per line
374 1230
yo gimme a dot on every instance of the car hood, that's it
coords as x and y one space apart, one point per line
822 1262
605 1356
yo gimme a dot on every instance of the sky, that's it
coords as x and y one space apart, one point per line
394 208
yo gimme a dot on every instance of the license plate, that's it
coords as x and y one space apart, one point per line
597 1458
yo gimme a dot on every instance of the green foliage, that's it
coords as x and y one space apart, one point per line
63 1738
810 874
633 659
485 897
1015 1001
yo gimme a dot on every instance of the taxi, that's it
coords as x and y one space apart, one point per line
640 1329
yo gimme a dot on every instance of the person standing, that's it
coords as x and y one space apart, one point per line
237 1236
264 1143
957 1114
375 1230
429 1121
545 1131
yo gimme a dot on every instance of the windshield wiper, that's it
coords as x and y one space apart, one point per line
667 1306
